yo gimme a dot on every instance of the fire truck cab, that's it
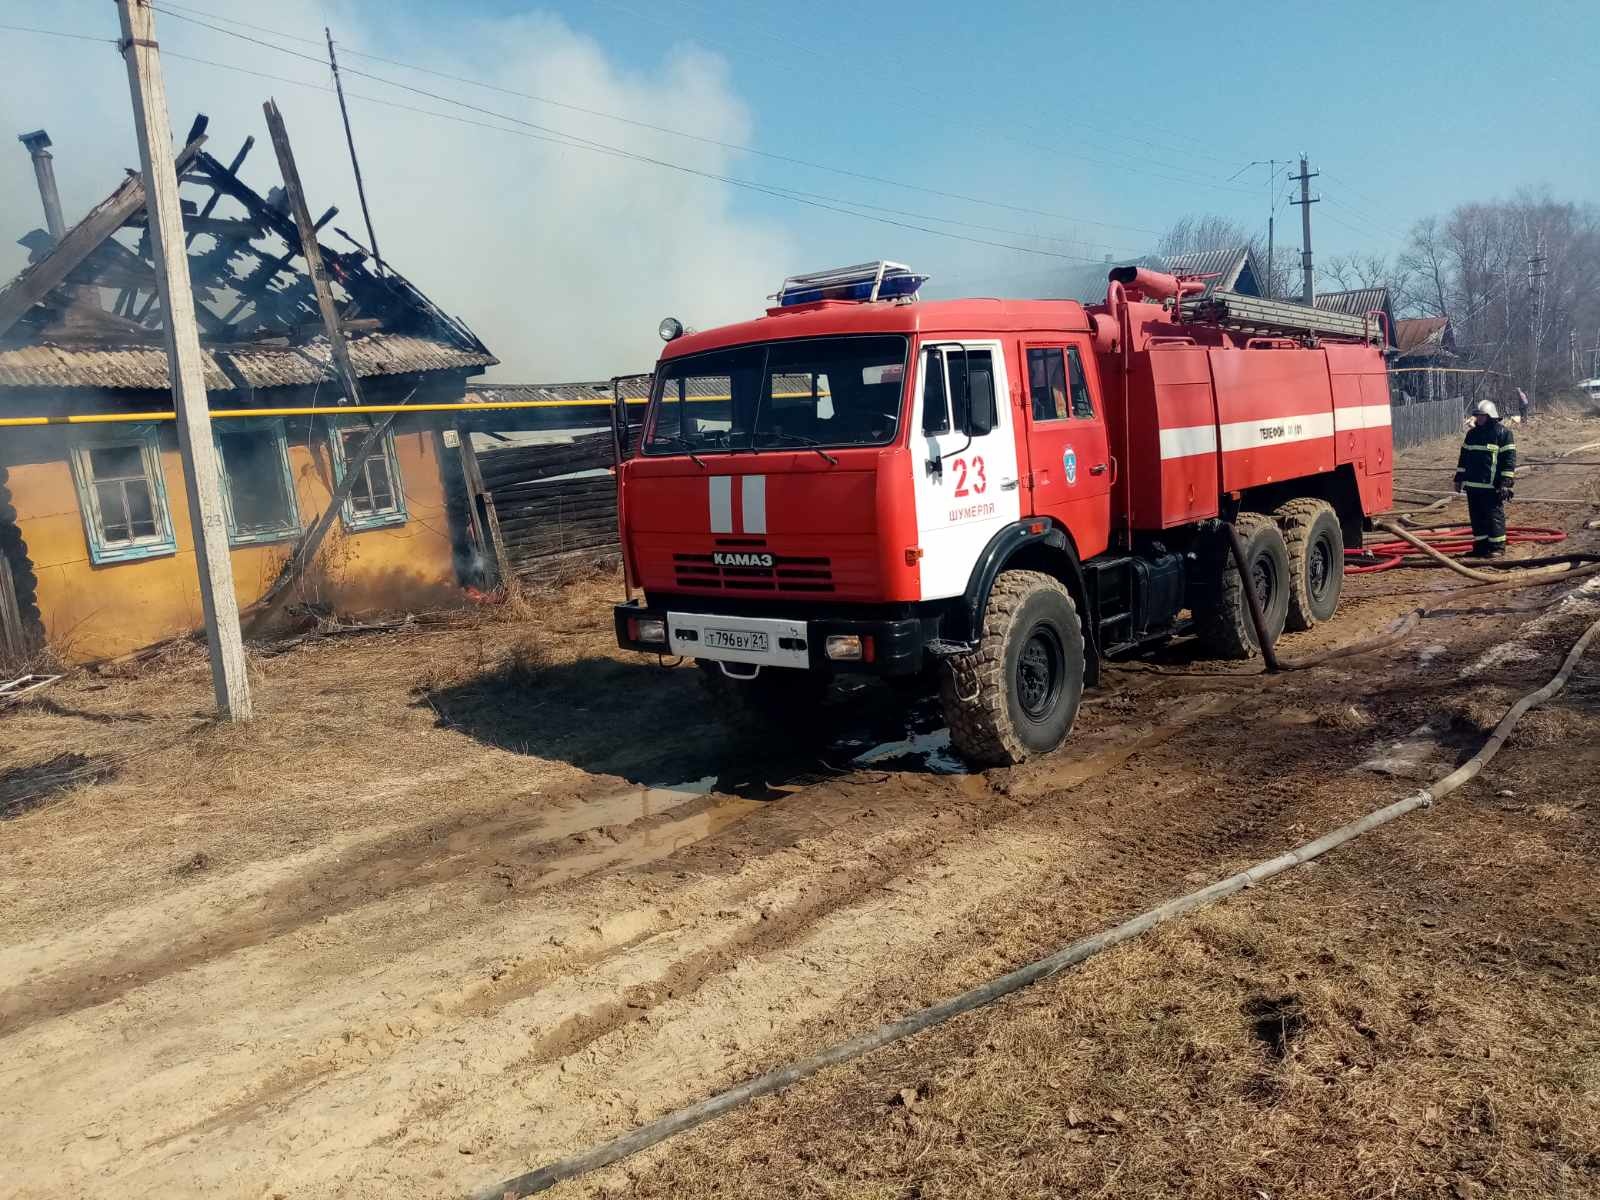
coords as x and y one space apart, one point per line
993 495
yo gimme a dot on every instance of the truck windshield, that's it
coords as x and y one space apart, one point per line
826 392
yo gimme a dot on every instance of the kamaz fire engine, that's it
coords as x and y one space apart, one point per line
997 493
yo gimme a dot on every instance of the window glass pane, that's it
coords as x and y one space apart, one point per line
1082 403
380 487
831 392
707 402
141 508
935 405
1047 384
257 493
114 522
117 462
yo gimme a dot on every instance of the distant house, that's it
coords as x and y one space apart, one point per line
1425 349
1359 302
94 524
1228 269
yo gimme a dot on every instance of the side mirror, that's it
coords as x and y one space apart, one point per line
981 414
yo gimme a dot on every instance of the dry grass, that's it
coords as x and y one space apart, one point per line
1336 1035
126 758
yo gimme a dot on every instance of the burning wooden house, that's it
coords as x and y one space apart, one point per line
95 535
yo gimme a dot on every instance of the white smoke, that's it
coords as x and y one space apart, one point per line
562 260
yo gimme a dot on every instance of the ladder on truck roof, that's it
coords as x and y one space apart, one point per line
1256 314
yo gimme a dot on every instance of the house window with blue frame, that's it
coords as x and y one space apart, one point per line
122 495
377 498
258 487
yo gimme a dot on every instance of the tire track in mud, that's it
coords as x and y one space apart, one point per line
779 909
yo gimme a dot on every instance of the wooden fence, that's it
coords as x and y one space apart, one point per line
1427 420
539 515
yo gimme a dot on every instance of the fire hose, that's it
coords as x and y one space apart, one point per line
1069 956
1449 540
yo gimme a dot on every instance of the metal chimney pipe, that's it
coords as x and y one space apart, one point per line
44 170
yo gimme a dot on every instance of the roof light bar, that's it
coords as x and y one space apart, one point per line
864 282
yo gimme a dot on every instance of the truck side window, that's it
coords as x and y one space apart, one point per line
1047 384
1082 402
935 404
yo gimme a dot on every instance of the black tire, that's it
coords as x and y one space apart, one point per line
1221 612
779 700
1315 540
1017 694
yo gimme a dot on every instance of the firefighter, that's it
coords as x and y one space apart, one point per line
1487 472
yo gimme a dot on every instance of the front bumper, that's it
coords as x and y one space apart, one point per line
891 645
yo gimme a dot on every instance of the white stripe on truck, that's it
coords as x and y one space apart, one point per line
1274 431
1188 440
753 503
721 503
1362 416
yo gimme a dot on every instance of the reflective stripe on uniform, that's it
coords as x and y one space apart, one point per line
1500 538
1469 483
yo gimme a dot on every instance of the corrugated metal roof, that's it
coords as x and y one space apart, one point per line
1357 302
1414 335
1221 267
374 354
145 367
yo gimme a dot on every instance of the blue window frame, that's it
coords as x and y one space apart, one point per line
122 494
378 498
257 484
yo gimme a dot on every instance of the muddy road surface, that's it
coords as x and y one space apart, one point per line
477 896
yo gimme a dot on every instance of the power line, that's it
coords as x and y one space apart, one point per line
563 137
78 37
827 57
839 205
733 146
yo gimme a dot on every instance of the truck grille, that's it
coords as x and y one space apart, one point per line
787 574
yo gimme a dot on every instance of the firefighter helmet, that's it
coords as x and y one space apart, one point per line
1486 408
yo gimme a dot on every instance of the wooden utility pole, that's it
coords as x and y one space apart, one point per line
312 252
218 601
1537 271
355 163
1308 287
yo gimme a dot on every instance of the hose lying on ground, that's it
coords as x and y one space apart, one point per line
1447 539
1445 560
1070 956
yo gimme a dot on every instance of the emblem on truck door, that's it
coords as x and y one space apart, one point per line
1069 464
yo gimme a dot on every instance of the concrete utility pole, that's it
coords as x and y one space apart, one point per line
1308 287
218 601
1536 274
44 170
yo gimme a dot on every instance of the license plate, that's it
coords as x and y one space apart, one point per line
736 639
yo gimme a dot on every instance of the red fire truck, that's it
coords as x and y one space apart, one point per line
996 493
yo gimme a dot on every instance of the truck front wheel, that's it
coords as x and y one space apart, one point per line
1222 613
1016 694
1316 560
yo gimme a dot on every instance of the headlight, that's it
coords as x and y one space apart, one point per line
648 629
670 328
842 646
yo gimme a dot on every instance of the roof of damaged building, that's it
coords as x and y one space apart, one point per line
85 312
1423 336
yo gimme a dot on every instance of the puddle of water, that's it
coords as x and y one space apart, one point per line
1418 755
932 748
1427 654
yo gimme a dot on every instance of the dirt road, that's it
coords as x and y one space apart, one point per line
478 895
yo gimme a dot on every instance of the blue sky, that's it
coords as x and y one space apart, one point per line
1097 125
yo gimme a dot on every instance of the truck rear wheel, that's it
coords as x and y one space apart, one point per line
1222 614
779 700
1016 695
1316 560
